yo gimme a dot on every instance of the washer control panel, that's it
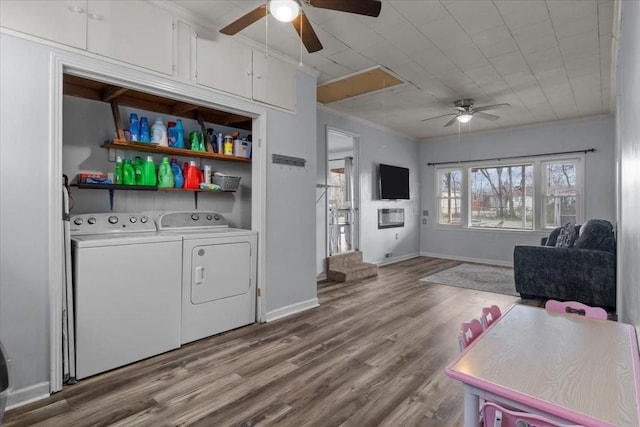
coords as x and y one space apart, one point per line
188 220
105 223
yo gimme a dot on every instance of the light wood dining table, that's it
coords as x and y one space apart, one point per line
566 367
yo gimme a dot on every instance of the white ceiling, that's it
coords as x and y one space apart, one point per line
550 59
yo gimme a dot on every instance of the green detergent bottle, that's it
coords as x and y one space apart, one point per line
119 172
149 171
137 168
165 175
128 173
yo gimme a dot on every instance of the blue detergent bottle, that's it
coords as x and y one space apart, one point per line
179 134
178 179
144 130
134 127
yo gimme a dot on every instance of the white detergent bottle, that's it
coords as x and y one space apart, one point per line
159 133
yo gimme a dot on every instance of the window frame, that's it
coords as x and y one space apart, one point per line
539 164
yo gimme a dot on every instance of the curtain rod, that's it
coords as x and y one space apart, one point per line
590 150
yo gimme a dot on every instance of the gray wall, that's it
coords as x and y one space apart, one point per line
25 165
376 146
484 245
628 132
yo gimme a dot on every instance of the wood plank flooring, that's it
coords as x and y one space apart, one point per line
372 354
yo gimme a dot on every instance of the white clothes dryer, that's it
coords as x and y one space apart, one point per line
126 279
218 273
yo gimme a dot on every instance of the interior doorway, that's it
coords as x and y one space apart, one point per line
343 192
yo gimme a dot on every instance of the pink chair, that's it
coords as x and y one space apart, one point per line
495 415
489 315
469 331
575 307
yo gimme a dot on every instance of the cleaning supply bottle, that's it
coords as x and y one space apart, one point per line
118 175
192 177
144 130
137 168
178 180
150 177
171 134
128 173
134 127
165 174
179 134
159 133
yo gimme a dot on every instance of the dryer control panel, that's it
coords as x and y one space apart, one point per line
191 220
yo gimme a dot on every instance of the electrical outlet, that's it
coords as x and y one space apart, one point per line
387 255
425 213
424 220
397 235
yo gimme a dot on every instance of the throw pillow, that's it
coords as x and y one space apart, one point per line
594 235
567 236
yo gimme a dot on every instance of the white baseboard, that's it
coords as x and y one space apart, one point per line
26 395
468 259
393 260
291 309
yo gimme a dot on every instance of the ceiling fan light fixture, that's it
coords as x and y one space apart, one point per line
464 117
284 10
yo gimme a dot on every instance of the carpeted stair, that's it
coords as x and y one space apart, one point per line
349 266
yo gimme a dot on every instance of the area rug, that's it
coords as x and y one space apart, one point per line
477 276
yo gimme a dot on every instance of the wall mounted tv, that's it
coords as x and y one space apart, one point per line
394 182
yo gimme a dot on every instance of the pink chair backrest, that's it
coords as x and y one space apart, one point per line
575 307
494 415
489 315
469 331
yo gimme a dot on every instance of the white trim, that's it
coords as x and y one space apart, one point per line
394 260
259 209
288 310
468 259
27 395
89 67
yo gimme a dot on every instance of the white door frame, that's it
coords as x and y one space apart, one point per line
117 74
356 185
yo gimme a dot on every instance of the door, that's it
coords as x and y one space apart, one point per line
342 192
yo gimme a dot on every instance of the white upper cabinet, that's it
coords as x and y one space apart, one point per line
225 65
233 67
136 32
60 21
274 81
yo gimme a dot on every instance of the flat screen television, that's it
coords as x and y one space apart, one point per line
394 182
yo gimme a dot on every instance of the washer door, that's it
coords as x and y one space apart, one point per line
220 271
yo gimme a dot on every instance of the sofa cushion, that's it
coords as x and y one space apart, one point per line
553 237
596 234
567 236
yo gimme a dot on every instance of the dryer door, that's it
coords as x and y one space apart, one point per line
220 271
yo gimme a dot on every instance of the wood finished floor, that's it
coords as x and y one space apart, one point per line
372 354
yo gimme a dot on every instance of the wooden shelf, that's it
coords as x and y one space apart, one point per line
118 144
122 187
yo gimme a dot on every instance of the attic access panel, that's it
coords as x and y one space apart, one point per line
367 81
99 91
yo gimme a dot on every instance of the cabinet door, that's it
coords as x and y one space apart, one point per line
274 81
60 21
133 31
224 64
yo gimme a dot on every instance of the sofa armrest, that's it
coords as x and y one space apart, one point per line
584 275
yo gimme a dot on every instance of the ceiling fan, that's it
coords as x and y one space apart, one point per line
466 110
291 11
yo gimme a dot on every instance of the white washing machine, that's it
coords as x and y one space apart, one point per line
126 279
218 273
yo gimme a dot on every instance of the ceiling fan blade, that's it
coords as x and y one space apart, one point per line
493 107
437 117
485 116
307 35
361 7
244 21
452 121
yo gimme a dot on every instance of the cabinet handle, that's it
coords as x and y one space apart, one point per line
259 76
199 275
249 73
95 16
76 9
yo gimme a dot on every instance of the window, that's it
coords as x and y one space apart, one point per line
450 196
561 197
532 194
502 196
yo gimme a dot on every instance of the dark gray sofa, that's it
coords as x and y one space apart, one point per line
585 271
